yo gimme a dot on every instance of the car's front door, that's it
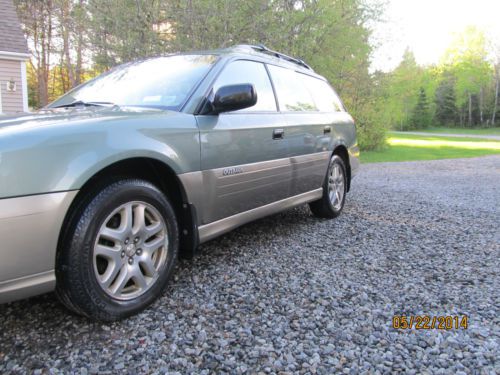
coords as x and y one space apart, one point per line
244 154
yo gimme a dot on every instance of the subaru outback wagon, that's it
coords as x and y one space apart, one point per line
103 190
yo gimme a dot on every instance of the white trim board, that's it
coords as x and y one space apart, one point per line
24 81
14 56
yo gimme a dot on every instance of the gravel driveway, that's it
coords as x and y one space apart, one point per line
292 293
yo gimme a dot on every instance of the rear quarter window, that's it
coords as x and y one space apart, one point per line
293 95
324 96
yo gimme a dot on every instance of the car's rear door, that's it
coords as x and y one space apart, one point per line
244 155
308 129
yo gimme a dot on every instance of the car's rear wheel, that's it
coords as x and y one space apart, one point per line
334 190
119 251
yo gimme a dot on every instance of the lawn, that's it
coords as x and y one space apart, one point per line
484 131
406 147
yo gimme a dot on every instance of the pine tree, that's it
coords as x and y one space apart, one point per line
446 109
421 114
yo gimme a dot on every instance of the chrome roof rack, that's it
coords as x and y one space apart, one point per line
263 49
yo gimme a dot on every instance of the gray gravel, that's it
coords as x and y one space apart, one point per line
295 294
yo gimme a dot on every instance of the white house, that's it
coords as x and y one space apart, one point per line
13 56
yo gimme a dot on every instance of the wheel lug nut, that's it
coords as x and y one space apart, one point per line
123 254
130 260
136 239
138 252
127 241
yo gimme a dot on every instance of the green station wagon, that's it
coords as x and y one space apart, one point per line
102 190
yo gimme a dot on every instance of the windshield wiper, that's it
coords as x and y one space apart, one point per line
81 103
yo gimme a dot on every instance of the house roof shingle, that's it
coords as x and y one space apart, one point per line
11 35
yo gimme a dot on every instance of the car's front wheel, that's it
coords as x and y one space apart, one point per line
119 251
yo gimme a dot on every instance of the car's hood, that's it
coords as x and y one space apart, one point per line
68 116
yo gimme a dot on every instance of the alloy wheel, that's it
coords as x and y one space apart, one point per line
130 250
336 189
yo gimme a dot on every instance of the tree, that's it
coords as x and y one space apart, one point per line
37 21
495 103
420 116
445 99
126 30
72 18
467 58
57 35
405 82
495 52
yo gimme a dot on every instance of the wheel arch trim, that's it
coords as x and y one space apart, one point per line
342 150
164 177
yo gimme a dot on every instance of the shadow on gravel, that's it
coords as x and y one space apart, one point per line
264 229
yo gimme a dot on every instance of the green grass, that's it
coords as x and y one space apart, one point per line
406 147
484 131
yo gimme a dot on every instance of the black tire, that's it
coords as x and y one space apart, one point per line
77 282
324 207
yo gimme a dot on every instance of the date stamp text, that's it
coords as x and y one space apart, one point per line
446 322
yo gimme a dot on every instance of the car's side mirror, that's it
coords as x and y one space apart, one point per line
234 97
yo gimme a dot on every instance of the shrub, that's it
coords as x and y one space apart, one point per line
371 128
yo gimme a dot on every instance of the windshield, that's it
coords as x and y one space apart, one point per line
163 82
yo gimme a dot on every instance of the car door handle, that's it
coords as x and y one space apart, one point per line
327 129
278 133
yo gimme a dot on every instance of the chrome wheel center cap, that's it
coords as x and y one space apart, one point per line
130 249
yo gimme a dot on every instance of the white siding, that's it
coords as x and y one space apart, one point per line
12 102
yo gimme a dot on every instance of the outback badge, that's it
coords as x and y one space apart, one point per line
232 170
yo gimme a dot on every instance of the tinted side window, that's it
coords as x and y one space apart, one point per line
291 91
243 71
325 98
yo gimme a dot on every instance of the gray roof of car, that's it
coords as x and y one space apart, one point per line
262 53
254 52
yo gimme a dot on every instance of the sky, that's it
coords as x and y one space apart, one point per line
427 28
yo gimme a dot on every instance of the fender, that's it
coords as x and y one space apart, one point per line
39 157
